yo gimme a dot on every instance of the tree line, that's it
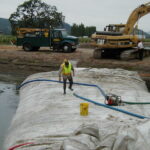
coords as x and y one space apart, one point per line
81 30
38 14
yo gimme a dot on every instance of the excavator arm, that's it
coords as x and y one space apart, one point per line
139 12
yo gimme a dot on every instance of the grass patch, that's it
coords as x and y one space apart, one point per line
147 40
6 39
84 40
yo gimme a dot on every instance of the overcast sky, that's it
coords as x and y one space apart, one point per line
97 13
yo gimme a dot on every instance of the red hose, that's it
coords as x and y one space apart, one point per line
14 147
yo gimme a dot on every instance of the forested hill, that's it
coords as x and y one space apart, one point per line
5 27
147 34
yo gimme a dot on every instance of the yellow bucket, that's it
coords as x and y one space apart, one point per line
84 109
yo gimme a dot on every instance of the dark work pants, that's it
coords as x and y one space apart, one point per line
65 82
141 52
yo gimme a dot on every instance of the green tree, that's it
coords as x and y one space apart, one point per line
90 30
35 14
74 30
81 29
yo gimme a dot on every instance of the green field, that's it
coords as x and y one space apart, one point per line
6 39
147 40
84 40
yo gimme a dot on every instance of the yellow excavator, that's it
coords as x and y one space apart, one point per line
120 40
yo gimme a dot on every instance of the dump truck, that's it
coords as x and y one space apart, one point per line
31 39
120 40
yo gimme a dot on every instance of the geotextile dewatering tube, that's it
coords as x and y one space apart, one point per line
92 85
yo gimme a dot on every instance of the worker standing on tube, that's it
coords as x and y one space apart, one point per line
66 70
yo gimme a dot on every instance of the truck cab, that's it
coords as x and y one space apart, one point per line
56 39
62 40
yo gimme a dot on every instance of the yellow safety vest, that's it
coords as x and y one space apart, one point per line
66 70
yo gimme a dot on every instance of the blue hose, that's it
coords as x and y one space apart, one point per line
91 85
110 107
84 84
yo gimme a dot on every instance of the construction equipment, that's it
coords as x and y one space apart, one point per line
113 100
120 40
56 39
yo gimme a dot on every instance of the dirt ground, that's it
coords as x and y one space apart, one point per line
14 59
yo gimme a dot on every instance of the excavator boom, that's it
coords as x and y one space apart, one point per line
139 12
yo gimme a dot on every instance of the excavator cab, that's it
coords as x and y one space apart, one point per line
115 28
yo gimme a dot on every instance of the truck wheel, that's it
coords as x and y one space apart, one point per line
97 54
67 48
73 49
27 47
35 48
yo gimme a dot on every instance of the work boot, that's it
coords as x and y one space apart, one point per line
70 88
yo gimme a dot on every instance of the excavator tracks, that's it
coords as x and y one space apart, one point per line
134 54
129 54
125 55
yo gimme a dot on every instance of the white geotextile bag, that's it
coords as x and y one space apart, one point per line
48 118
86 137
